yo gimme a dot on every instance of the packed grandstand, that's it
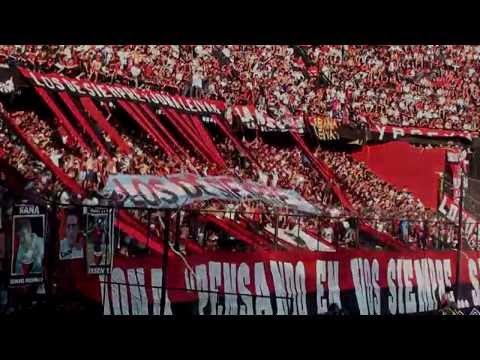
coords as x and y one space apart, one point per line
337 152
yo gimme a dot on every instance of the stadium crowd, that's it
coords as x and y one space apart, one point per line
391 210
91 171
418 86
18 157
423 86
289 170
388 209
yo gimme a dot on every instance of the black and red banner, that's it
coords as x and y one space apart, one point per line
57 82
383 133
296 283
328 129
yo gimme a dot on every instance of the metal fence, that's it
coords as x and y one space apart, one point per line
186 225
282 230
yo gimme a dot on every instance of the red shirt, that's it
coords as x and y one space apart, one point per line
97 234
257 215
148 70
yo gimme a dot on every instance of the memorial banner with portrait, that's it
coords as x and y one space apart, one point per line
28 244
72 235
99 240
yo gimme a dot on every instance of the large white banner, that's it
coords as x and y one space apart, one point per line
174 191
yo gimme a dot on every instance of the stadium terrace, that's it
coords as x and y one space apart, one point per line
239 180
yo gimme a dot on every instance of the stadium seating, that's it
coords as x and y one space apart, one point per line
360 86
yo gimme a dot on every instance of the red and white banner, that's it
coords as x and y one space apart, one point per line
250 116
397 132
470 229
174 191
279 283
457 162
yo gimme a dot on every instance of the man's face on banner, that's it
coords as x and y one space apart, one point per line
24 234
71 232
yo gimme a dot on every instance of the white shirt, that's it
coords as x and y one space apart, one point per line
68 53
197 80
274 179
226 52
327 234
64 198
135 71
262 177
55 157
228 114
199 50
122 55
67 252
334 212
93 202
230 213
35 253
299 180
175 50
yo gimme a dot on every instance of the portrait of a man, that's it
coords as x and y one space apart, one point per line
30 251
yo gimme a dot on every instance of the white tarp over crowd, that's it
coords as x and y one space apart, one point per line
174 191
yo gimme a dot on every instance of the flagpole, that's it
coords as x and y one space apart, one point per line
166 246
460 242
